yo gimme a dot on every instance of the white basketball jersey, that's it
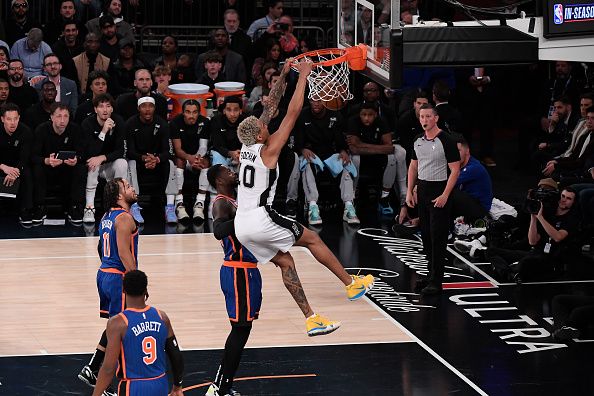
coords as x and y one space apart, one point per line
257 183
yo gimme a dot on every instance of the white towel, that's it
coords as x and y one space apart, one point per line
500 208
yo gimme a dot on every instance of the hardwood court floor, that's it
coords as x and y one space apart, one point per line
49 302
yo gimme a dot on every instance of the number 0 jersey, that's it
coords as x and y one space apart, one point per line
108 240
143 346
257 183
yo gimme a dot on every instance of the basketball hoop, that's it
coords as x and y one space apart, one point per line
329 78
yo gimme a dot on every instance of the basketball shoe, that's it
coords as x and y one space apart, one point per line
182 214
87 376
350 215
319 325
360 285
314 215
213 390
198 212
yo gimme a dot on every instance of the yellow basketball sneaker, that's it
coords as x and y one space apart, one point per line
319 325
361 285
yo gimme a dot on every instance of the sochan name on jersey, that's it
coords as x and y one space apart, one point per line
246 155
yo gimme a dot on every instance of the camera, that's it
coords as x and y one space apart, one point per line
282 26
548 197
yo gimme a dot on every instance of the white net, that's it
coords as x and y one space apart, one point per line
329 82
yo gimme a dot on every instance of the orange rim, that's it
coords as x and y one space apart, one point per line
347 54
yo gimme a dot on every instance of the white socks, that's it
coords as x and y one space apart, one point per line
201 197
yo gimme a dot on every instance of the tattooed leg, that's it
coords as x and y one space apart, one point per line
291 280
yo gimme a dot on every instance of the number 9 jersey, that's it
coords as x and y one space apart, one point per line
143 355
257 183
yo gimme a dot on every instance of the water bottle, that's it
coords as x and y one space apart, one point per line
209 108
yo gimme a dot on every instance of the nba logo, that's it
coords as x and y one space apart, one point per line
558 14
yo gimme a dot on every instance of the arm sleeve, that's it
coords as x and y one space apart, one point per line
176 359
223 228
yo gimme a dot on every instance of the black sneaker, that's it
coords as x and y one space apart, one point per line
292 208
87 376
75 214
26 217
39 214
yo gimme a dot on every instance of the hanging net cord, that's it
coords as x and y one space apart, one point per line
329 82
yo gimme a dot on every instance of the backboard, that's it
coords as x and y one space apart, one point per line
369 22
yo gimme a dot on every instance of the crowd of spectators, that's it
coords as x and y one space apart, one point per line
85 62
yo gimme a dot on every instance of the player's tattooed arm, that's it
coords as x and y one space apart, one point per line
293 285
276 93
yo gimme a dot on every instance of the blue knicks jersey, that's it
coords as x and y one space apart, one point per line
234 251
143 346
109 241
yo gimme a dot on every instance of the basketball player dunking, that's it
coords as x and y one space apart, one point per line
260 228
118 247
140 337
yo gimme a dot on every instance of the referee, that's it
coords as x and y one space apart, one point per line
435 155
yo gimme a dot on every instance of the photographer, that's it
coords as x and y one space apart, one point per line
281 31
549 235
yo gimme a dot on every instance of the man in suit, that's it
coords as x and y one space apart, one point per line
67 89
239 41
233 65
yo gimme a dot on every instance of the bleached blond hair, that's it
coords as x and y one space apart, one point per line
248 130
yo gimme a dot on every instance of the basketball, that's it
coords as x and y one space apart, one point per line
334 104
337 91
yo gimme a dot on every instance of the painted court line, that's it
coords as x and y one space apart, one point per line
96 237
205 384
428 349
43 352
95 256
468 285
547 283
474 267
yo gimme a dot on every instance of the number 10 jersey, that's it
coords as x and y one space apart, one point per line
257 183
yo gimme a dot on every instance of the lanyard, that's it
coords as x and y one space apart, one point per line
555 86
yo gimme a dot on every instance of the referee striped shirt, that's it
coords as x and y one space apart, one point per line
433 156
